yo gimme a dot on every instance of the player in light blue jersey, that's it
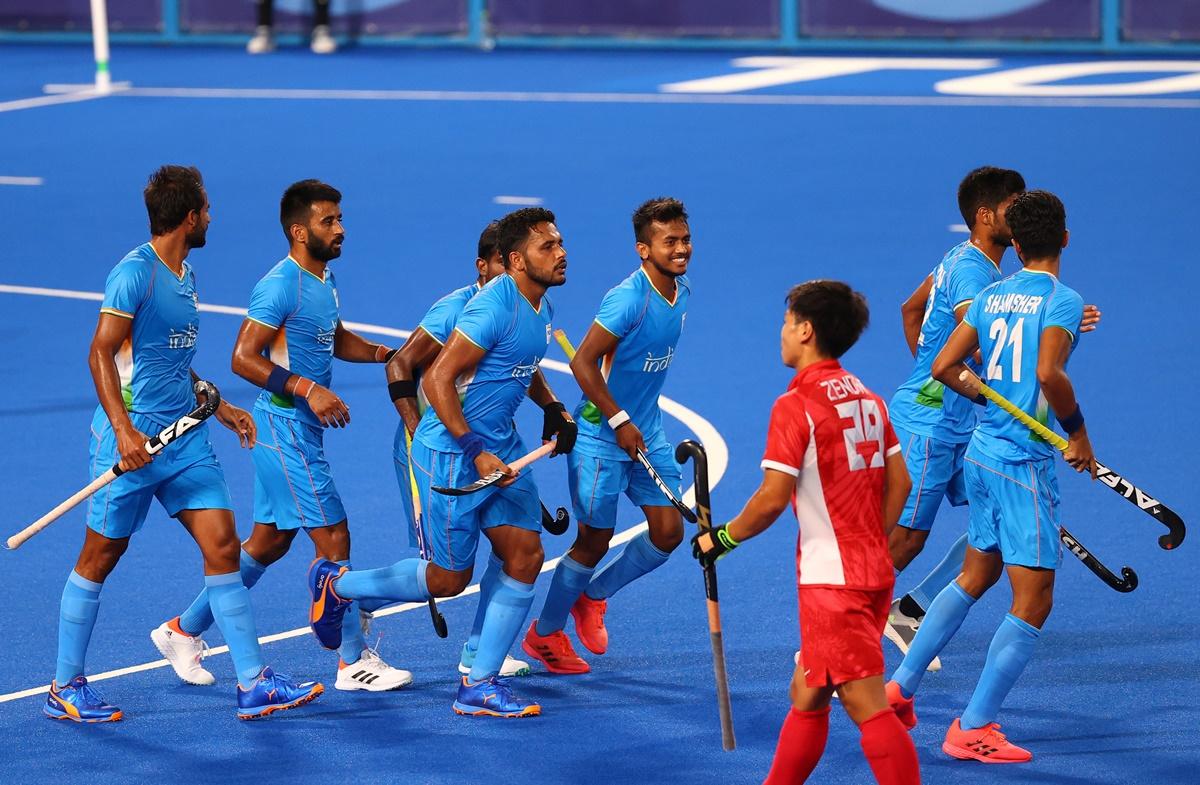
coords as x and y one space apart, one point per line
621 367
287 344
404 373
488 365
141 362
1025 327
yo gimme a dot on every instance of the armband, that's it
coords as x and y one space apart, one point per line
277 379
404 388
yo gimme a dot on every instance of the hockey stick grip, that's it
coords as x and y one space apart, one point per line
1021 416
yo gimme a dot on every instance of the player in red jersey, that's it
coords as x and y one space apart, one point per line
832 454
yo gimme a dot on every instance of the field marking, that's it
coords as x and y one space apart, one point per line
961 228
731 99
529 201
66 97
706 432
11 180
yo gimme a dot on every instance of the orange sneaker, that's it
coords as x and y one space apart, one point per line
554 651
589 623
986 744
904 707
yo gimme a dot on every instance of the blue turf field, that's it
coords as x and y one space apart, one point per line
778 192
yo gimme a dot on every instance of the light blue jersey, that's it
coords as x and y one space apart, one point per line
514 336
1010 317
155 362
439 321
923 406
647 327
304 309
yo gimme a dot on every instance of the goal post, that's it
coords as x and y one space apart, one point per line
100 45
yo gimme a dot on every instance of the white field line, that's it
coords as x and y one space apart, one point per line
11 180
518 96
718 461
65 97
962 228
531 201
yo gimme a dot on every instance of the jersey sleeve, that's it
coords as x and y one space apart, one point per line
966 282
618 311
125 290
483 321
1065 311
974 313
440 319
271 303
787 436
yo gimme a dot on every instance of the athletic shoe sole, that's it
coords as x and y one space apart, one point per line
164 650
893 635
355 686
475 711
269 710
962 753
54 714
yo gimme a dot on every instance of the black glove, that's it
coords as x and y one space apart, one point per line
556 423
716 545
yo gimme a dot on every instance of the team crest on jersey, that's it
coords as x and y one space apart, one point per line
183 339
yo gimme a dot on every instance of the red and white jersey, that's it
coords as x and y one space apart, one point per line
832 434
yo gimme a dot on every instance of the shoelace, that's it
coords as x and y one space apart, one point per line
994 732
501 683
203 651
90 695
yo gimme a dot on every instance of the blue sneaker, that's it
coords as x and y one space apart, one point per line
492 697
328 609
78 702
272 692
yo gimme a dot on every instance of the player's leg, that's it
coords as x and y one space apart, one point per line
804 733
262 41
885 741
487 587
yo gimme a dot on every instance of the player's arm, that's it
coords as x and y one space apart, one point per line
233 417
111 332
417 354
556 423
1053 350
250 364
598 343
912 313
352 347
896 486
763 508
950 361
460 356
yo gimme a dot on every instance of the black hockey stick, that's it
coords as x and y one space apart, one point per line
435 615
497 476
684 510
557 523
1126 583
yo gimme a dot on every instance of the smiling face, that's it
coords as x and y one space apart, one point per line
669 248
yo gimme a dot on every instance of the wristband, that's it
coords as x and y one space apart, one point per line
404 388
618 419
472 445
1072 423
305 394
725 538
277 379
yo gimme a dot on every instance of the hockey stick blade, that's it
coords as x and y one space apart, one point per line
1176 530
1125 584
555 524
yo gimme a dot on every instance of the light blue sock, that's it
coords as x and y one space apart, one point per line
942 620
570 579
198 617
502 623
230 602
404 581
352 637
76 618
638 558
1012 647
487 587
940 577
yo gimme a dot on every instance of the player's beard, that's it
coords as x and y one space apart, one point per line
197 238
665 270
321 251
543 280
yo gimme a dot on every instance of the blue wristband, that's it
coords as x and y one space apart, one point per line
1072 423
277 380
472 445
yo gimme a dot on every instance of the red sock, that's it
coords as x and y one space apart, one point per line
801 742
889 750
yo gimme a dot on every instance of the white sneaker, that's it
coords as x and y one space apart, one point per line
511 667
901 629
322 41
262 42
183 653
371 673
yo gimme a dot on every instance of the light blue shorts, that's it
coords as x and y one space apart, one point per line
596 484
186 475
936 469
450 525
293 485
1015 510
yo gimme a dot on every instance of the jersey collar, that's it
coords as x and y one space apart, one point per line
310 272
650 283
1039 272
813 371
183 266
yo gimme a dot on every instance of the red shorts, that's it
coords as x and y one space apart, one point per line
841 632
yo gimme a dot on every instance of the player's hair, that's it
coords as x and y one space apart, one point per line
489 240
171 193
296 205
838 314
514 229
986 186
664 209
1038 220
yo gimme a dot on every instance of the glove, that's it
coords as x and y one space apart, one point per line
710 546
556 422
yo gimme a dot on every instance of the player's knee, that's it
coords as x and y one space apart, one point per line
267 545
446 583
590 545
524 566
667 540
223 556
334 543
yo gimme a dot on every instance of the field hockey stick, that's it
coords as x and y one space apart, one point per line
496 476
153 446
558 523
694 450
684 510
1126 583
1136 496
439 621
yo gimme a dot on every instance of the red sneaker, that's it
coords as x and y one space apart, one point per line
904 707
986 744
554 651
589 623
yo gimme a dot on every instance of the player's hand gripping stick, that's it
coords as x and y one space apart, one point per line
496 476
154 445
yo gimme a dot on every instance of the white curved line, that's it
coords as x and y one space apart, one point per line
718 461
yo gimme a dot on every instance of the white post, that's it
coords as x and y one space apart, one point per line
100 45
